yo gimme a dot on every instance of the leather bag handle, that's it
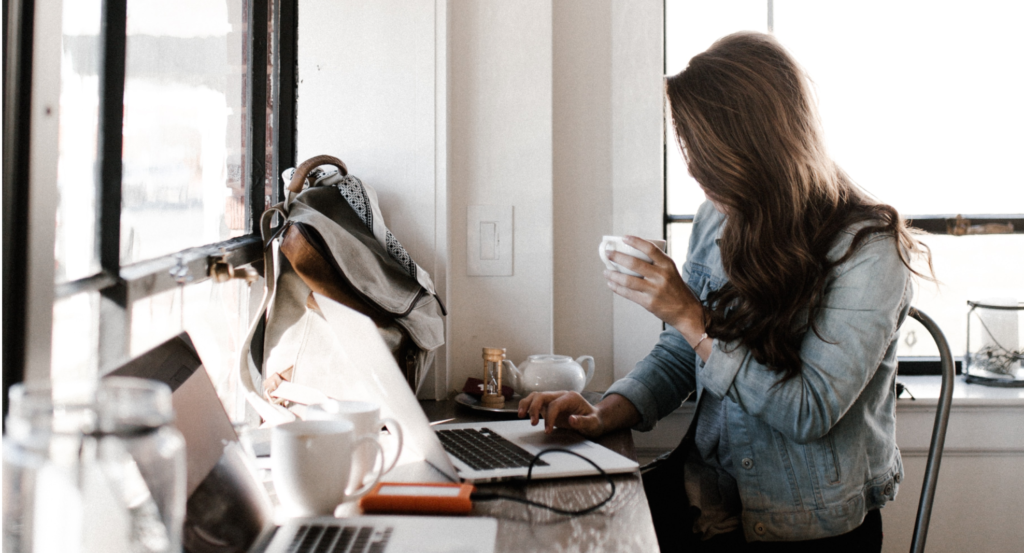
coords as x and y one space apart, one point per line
299 176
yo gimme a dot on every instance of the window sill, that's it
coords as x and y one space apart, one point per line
926 391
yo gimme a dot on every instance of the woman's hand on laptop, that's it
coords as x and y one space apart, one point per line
571 410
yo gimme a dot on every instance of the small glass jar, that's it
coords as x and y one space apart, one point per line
995 343
93 466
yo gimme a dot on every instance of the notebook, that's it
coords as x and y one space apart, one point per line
370 374
228 508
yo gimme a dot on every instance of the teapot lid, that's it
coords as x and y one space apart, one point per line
549 358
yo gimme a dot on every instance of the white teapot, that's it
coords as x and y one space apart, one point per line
548 373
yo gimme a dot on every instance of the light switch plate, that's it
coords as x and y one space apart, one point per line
489 240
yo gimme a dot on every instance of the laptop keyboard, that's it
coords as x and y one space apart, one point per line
483 449
316 538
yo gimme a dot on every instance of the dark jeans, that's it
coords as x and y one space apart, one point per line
673 522
866 538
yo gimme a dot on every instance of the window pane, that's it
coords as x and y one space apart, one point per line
920 100
920 104
969 268
75 240
184 123
678 241
74 347
216 317
691 26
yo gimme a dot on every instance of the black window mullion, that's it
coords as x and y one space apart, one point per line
256 110
672 218
285 66
114 313
940 224
111 122
934 224
19 16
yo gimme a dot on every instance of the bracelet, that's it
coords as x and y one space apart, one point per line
702 338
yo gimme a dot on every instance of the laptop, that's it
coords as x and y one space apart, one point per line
505 448
229 509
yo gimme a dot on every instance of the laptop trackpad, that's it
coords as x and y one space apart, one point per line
536 437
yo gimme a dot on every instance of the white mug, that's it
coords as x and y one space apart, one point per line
615 243
366 422
311 462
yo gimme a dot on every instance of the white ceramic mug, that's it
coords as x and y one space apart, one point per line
615 243
366 421
311 463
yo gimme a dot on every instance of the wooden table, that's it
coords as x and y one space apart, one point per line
624 524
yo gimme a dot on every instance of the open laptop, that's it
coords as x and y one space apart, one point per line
228 508
369 372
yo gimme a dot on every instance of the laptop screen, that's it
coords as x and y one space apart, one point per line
228 507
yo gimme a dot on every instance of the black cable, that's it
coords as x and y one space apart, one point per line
479 496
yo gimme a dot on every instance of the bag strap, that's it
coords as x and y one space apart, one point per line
248 372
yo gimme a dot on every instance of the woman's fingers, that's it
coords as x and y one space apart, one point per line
562 408
645 246
630 262
525 406
632 291
556 408
535 404
658 257
588 425
661 290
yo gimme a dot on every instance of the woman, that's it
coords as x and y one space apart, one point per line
784 321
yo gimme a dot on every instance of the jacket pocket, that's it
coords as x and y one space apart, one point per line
830 459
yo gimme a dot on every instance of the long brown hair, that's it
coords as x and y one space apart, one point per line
746 122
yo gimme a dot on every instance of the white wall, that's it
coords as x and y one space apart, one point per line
42 203
553 108
369 94
500 141
583 198
638 159
608 170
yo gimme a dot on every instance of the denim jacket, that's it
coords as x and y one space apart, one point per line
815 453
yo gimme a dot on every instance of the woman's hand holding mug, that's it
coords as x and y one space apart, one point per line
658 288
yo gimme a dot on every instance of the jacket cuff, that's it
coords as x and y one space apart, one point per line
719 371
641 397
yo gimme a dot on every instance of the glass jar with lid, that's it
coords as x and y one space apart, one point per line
995 343
91 466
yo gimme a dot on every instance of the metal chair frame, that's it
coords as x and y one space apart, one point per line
931 472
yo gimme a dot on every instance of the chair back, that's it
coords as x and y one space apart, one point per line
931 472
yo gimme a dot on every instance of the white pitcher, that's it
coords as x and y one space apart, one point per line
548 373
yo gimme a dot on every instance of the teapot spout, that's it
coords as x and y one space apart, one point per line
516 376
